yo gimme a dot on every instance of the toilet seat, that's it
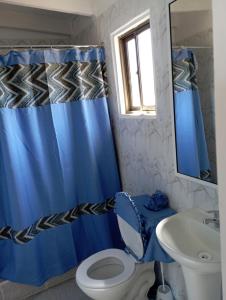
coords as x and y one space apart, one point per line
103 259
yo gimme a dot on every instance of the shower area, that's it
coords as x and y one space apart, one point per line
58 159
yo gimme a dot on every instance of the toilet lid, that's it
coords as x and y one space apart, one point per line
105 259
130 226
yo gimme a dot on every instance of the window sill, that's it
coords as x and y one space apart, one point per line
139 115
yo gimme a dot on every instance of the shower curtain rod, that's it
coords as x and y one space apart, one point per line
48 46
194 47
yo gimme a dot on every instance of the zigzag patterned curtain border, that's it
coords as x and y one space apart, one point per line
50 83
26 235
184 75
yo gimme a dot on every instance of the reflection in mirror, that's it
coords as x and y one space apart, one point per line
193 88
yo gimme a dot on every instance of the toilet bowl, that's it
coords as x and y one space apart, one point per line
115 274
102 275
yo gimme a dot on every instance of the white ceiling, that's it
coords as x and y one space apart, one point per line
81 7
100 6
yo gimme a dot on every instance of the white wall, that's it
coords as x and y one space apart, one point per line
145 146
27 26
201 22
193 5
20 25
219 17
82 7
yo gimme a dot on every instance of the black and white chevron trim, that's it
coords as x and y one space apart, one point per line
184 75
52 221
41 84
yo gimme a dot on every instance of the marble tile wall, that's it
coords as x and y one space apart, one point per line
145 146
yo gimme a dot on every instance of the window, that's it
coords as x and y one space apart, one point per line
135 52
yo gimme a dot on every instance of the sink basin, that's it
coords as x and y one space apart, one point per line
189 241
196 246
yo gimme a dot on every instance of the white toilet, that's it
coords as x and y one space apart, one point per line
115 274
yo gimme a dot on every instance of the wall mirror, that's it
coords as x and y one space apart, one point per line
193 88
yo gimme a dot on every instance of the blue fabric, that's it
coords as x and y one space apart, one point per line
192 152
53 158
153 250
126 209
157 201
144 221
52 56
181 54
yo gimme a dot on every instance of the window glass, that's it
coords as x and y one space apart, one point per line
133 73
137 69
146 68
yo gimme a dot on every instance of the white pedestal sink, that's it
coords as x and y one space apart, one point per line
196 247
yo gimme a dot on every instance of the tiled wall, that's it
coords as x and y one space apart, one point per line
145 146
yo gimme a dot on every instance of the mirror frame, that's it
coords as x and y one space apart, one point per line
171 91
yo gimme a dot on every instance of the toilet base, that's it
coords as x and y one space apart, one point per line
144 278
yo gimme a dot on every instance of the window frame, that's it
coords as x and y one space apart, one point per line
124 59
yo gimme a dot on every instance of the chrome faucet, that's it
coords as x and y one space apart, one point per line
214 220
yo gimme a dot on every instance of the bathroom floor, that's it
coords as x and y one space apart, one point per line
66 291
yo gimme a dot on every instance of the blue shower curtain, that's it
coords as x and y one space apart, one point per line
192 153
58 169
